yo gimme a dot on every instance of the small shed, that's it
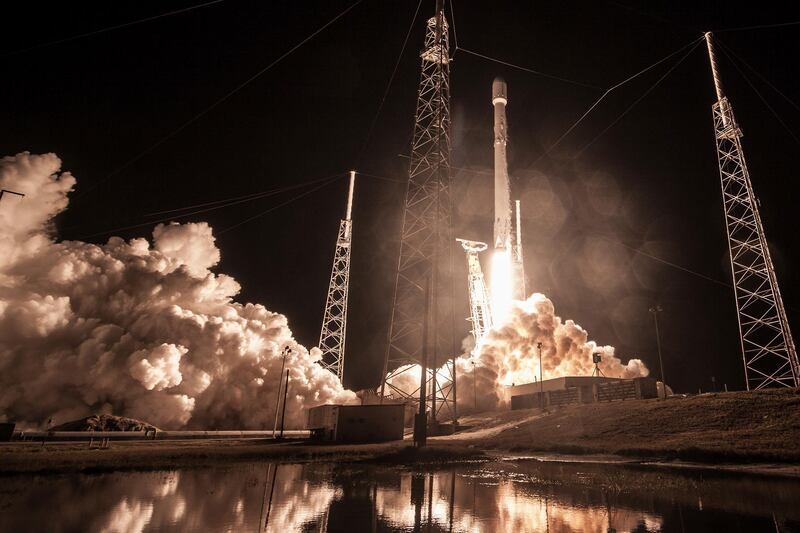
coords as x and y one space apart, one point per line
356 423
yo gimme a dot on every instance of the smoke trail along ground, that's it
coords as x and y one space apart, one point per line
134 328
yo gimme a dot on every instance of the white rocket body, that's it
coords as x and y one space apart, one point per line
502 189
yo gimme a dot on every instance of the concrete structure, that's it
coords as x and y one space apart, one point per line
580 389
356 423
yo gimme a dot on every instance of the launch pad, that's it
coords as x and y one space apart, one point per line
422 345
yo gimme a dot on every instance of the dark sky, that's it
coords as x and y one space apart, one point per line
649 183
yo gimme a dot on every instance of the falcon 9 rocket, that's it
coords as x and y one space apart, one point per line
502 189
502 272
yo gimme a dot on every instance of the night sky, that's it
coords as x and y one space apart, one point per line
649 183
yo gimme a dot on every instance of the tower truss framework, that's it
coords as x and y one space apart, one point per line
480 309
768 350
426 247
334 321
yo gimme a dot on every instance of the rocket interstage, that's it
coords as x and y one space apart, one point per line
502 189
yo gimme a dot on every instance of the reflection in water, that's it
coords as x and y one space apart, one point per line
127 517
293 499
471 503
515 496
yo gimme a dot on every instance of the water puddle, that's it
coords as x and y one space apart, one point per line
504 496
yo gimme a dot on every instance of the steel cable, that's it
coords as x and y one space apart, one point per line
726 50
205 111
109 28
388 87
609 91
530 70
658 81
236 201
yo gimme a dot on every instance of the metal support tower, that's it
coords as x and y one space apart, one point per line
426 250
768 351
520 290
334 322
481 312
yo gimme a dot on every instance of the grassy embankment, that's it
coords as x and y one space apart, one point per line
761 426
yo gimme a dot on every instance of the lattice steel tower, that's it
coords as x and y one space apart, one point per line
768 351
426 248
334 322
480 309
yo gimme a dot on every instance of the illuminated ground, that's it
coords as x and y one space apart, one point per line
748 431
736 426
61 457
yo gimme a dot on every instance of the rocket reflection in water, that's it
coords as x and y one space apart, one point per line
489 497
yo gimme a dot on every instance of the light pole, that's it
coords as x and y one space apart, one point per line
541 383
6 191
655 310
474 385
286 352
283 411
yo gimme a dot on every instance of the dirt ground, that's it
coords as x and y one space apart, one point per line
65 457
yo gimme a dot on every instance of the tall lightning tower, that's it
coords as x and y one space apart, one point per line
334 322
480 310
426 250
520 290
768 350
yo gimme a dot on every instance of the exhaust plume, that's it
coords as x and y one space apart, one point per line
509 355
133 328
511 347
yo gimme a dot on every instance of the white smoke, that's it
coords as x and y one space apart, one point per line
133 329
509 355
512 347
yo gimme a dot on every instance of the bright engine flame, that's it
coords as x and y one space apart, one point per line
501 284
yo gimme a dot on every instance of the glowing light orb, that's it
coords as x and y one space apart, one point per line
502 284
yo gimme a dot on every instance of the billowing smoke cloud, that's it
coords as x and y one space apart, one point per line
134 329
512 347
509 355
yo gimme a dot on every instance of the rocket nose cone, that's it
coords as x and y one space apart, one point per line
499 89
